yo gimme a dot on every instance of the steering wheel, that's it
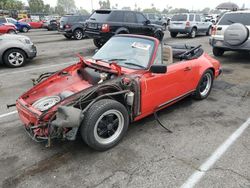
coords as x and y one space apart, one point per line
189 52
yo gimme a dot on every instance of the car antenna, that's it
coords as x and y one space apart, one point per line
161 124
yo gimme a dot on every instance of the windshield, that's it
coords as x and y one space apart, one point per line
11 20
179 17
129 52
229 19
100 15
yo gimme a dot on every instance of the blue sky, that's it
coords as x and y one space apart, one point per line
190 4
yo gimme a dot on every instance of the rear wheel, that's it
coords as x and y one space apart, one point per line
192 34
105 124
173 34
218 51
14 58
98 43
78 34
205 85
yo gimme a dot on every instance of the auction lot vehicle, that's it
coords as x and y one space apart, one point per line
157 19
50 25
7 29
129 78
190 24
35 24
231 33
15 50
73 26
21 26
103 24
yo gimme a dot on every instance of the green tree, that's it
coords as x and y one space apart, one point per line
83 11
11 4
36 6
68 6
151 10
59 10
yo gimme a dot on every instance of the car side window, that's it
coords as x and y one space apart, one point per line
151 16
191 17
129 17
158 58
117 16
140 18
197 18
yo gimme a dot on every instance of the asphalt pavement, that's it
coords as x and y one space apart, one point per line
148 156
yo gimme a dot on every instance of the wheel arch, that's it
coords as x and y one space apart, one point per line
122 29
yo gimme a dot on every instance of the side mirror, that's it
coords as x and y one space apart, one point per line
147 22
158 68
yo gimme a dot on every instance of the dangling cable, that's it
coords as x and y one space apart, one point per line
161 124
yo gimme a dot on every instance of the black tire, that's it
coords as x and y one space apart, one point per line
78 34
209 31
25 29
193 33
173 34
98 43
218 51
8 57
11 31
159 35
205 85
67 36
91 124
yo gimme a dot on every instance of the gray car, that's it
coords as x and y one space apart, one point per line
157 19
16 49
231 33
190 24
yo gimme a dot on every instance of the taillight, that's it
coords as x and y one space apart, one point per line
105 28
67 26
187 24
214 28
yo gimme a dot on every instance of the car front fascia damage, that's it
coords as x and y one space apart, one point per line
64 118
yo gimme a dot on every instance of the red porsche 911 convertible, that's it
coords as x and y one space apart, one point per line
129 78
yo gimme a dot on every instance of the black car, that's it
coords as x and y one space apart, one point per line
73 26
103 24
50 25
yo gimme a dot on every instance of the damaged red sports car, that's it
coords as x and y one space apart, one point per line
129 78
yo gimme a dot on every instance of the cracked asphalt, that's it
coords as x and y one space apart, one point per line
148 156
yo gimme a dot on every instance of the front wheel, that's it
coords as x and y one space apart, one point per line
159 35
14 58
205 85
25 29
11 31
105 124
98 43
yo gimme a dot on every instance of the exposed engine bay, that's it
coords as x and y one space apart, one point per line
62 105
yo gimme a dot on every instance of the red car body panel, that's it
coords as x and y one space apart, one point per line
157 91
33 24
6 29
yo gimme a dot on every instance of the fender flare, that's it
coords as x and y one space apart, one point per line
121 29
77 26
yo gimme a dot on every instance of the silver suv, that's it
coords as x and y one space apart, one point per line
190 24
15 50
231 33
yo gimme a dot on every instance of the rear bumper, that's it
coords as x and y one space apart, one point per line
180 30
98 35
219 43
65 32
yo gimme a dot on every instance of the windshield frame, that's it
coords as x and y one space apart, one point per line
151 57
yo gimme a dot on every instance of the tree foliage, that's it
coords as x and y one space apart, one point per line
11 5
66 6
104 4
36 6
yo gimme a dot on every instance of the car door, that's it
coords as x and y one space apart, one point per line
131 22
198 23
142 27
162 89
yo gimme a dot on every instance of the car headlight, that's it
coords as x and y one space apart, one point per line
25 41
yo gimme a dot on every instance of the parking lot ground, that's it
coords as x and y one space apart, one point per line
148 156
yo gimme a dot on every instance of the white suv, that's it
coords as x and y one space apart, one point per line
190 24
231 33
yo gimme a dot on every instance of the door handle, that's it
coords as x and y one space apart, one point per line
187 69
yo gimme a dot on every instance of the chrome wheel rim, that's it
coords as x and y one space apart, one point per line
25 29
79 35
205 84
16 59
193 33
109 126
